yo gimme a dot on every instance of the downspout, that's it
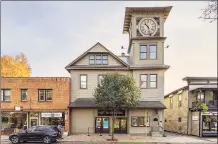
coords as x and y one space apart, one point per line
188 110
200 124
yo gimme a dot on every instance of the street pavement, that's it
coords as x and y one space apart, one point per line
80 142
172 138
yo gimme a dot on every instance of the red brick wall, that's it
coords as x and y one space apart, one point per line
60 94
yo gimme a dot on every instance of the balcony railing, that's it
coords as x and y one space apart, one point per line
210 104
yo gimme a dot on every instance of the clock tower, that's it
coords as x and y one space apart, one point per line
145 26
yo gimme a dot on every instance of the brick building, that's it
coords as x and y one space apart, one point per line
29 101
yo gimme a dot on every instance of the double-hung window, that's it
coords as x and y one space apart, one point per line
143 52
153 52
5 95
180 100
143 78
92 59
153 81
200 96
45 94
98 59
104 59
83 81
24 93
171 102
100 78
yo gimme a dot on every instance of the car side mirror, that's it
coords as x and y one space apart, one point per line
26 131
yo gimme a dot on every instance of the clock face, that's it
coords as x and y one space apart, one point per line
148 26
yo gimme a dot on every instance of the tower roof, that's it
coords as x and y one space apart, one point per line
131 10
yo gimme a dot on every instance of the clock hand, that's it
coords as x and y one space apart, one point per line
148 30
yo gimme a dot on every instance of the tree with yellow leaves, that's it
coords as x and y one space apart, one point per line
15 66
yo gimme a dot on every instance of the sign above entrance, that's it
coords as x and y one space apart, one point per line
51 114
17 108
110 113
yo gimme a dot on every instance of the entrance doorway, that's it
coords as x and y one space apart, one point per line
120 125
33 122
102 125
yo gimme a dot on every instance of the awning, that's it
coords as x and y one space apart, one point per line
90 103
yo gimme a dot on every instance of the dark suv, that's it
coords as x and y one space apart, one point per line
39 133
56 129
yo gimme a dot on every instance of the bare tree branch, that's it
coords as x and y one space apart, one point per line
210 12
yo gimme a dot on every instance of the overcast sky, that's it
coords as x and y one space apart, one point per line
52 34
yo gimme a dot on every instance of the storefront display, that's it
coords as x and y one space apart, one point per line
209 125
53 118
14 120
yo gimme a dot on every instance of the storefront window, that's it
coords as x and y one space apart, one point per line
52 118
140 121
14 120
209 124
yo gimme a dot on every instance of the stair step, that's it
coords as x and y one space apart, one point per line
156 134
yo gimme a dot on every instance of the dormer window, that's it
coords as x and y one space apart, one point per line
104 59
92 59
98 59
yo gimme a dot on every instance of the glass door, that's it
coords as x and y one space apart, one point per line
101 125
120 125
123 125
117 125
105 122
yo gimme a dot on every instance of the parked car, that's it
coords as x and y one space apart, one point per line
38 133
56 129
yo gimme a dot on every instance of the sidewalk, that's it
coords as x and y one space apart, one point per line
171 138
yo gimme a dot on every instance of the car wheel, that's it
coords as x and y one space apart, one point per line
47 139
15 139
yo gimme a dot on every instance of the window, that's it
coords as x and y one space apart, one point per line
180 100
5 94
143 79
45 95
83 81
48 95
91 59
24 94
153 52
104 59
200 96
98 60
153 81
179 119
100 77
171 102
143 51
140 121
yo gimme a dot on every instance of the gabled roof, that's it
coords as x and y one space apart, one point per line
175 91
86 52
